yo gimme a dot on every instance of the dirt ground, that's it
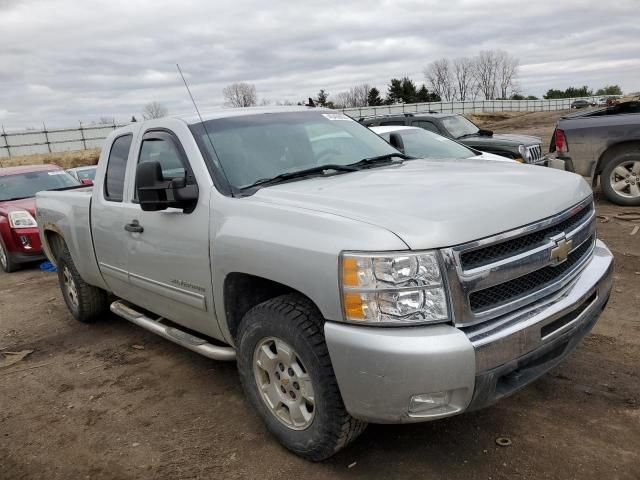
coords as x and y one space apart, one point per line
111 401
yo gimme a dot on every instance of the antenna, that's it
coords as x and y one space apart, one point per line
204 125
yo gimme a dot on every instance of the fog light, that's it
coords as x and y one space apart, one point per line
25 242
429 403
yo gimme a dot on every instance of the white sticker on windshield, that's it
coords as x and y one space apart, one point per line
56 172
336 116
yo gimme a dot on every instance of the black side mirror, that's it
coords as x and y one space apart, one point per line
395 139
155 193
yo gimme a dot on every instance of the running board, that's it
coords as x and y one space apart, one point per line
180 337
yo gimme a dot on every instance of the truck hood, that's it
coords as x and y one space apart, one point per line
28 204
501 139
434 204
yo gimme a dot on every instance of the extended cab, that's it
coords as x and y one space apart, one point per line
351 283
19 235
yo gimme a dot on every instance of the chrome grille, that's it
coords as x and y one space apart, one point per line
494 276
535 153
482 256
494 296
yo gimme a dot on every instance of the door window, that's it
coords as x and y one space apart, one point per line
426 125
393 122
116 167
163 149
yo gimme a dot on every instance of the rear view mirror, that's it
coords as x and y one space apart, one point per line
86 181
155 193
395 139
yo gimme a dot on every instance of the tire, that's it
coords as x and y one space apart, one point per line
293 322
85 302
6 263
620 178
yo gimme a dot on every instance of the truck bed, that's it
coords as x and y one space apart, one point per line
68 212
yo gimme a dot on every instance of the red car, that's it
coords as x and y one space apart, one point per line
19 236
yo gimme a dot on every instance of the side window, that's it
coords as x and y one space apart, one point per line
116 168
161 148
426 125
393 122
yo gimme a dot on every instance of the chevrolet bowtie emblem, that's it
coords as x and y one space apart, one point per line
560 252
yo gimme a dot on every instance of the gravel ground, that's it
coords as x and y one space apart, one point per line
111 401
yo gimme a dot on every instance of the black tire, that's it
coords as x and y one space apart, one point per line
296 321
90 302
631 155
6 263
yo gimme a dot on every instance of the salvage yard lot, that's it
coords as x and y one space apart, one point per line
110 400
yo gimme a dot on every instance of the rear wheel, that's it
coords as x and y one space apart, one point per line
6 263
85 302
620 178
286 373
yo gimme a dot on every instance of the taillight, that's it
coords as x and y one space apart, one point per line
561 141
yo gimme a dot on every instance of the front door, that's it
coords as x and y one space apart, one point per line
168 260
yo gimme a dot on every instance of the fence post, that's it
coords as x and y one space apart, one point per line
46 137
84 143
6 141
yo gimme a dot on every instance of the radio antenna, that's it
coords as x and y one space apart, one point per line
206 130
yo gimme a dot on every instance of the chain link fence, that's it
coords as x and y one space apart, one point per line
65 139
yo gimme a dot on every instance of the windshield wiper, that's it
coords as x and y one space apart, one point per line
300 174
388 158
468 135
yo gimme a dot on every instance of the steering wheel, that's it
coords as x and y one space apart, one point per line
326 153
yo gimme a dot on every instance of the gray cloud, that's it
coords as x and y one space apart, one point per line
66 61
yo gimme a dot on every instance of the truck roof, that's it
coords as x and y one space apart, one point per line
26 169
213 114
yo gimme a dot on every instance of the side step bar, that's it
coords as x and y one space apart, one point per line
180 337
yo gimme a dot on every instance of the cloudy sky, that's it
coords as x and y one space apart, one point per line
62 61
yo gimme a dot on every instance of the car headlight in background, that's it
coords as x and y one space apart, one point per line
21 219
524 153
392 288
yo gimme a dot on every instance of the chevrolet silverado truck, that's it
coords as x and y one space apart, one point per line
603 144
351 283
523 148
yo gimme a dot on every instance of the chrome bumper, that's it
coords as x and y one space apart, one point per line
379 370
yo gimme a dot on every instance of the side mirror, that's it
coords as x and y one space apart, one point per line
155 193
395 139
86 181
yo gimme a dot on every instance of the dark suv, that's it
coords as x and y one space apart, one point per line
523 148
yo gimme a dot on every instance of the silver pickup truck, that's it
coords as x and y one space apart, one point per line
351 283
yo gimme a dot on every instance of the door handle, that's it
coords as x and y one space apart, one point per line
134 227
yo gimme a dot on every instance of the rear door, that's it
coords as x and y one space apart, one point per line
109 208
168 261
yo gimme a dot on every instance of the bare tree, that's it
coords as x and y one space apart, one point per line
106 121
507 70
357 96
464 79
240 94
439 77
154 110
486 72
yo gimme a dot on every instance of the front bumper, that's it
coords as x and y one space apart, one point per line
22 244
379 370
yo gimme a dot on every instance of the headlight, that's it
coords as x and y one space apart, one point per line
21 219
393 288
524 153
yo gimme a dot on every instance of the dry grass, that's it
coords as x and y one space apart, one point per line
78 158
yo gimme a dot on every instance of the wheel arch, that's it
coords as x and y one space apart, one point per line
609 154
53 243
243 291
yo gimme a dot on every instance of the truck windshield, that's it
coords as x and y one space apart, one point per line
459 127
26 185
249 148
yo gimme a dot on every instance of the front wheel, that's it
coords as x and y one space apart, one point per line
286 373
6 263
620 179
